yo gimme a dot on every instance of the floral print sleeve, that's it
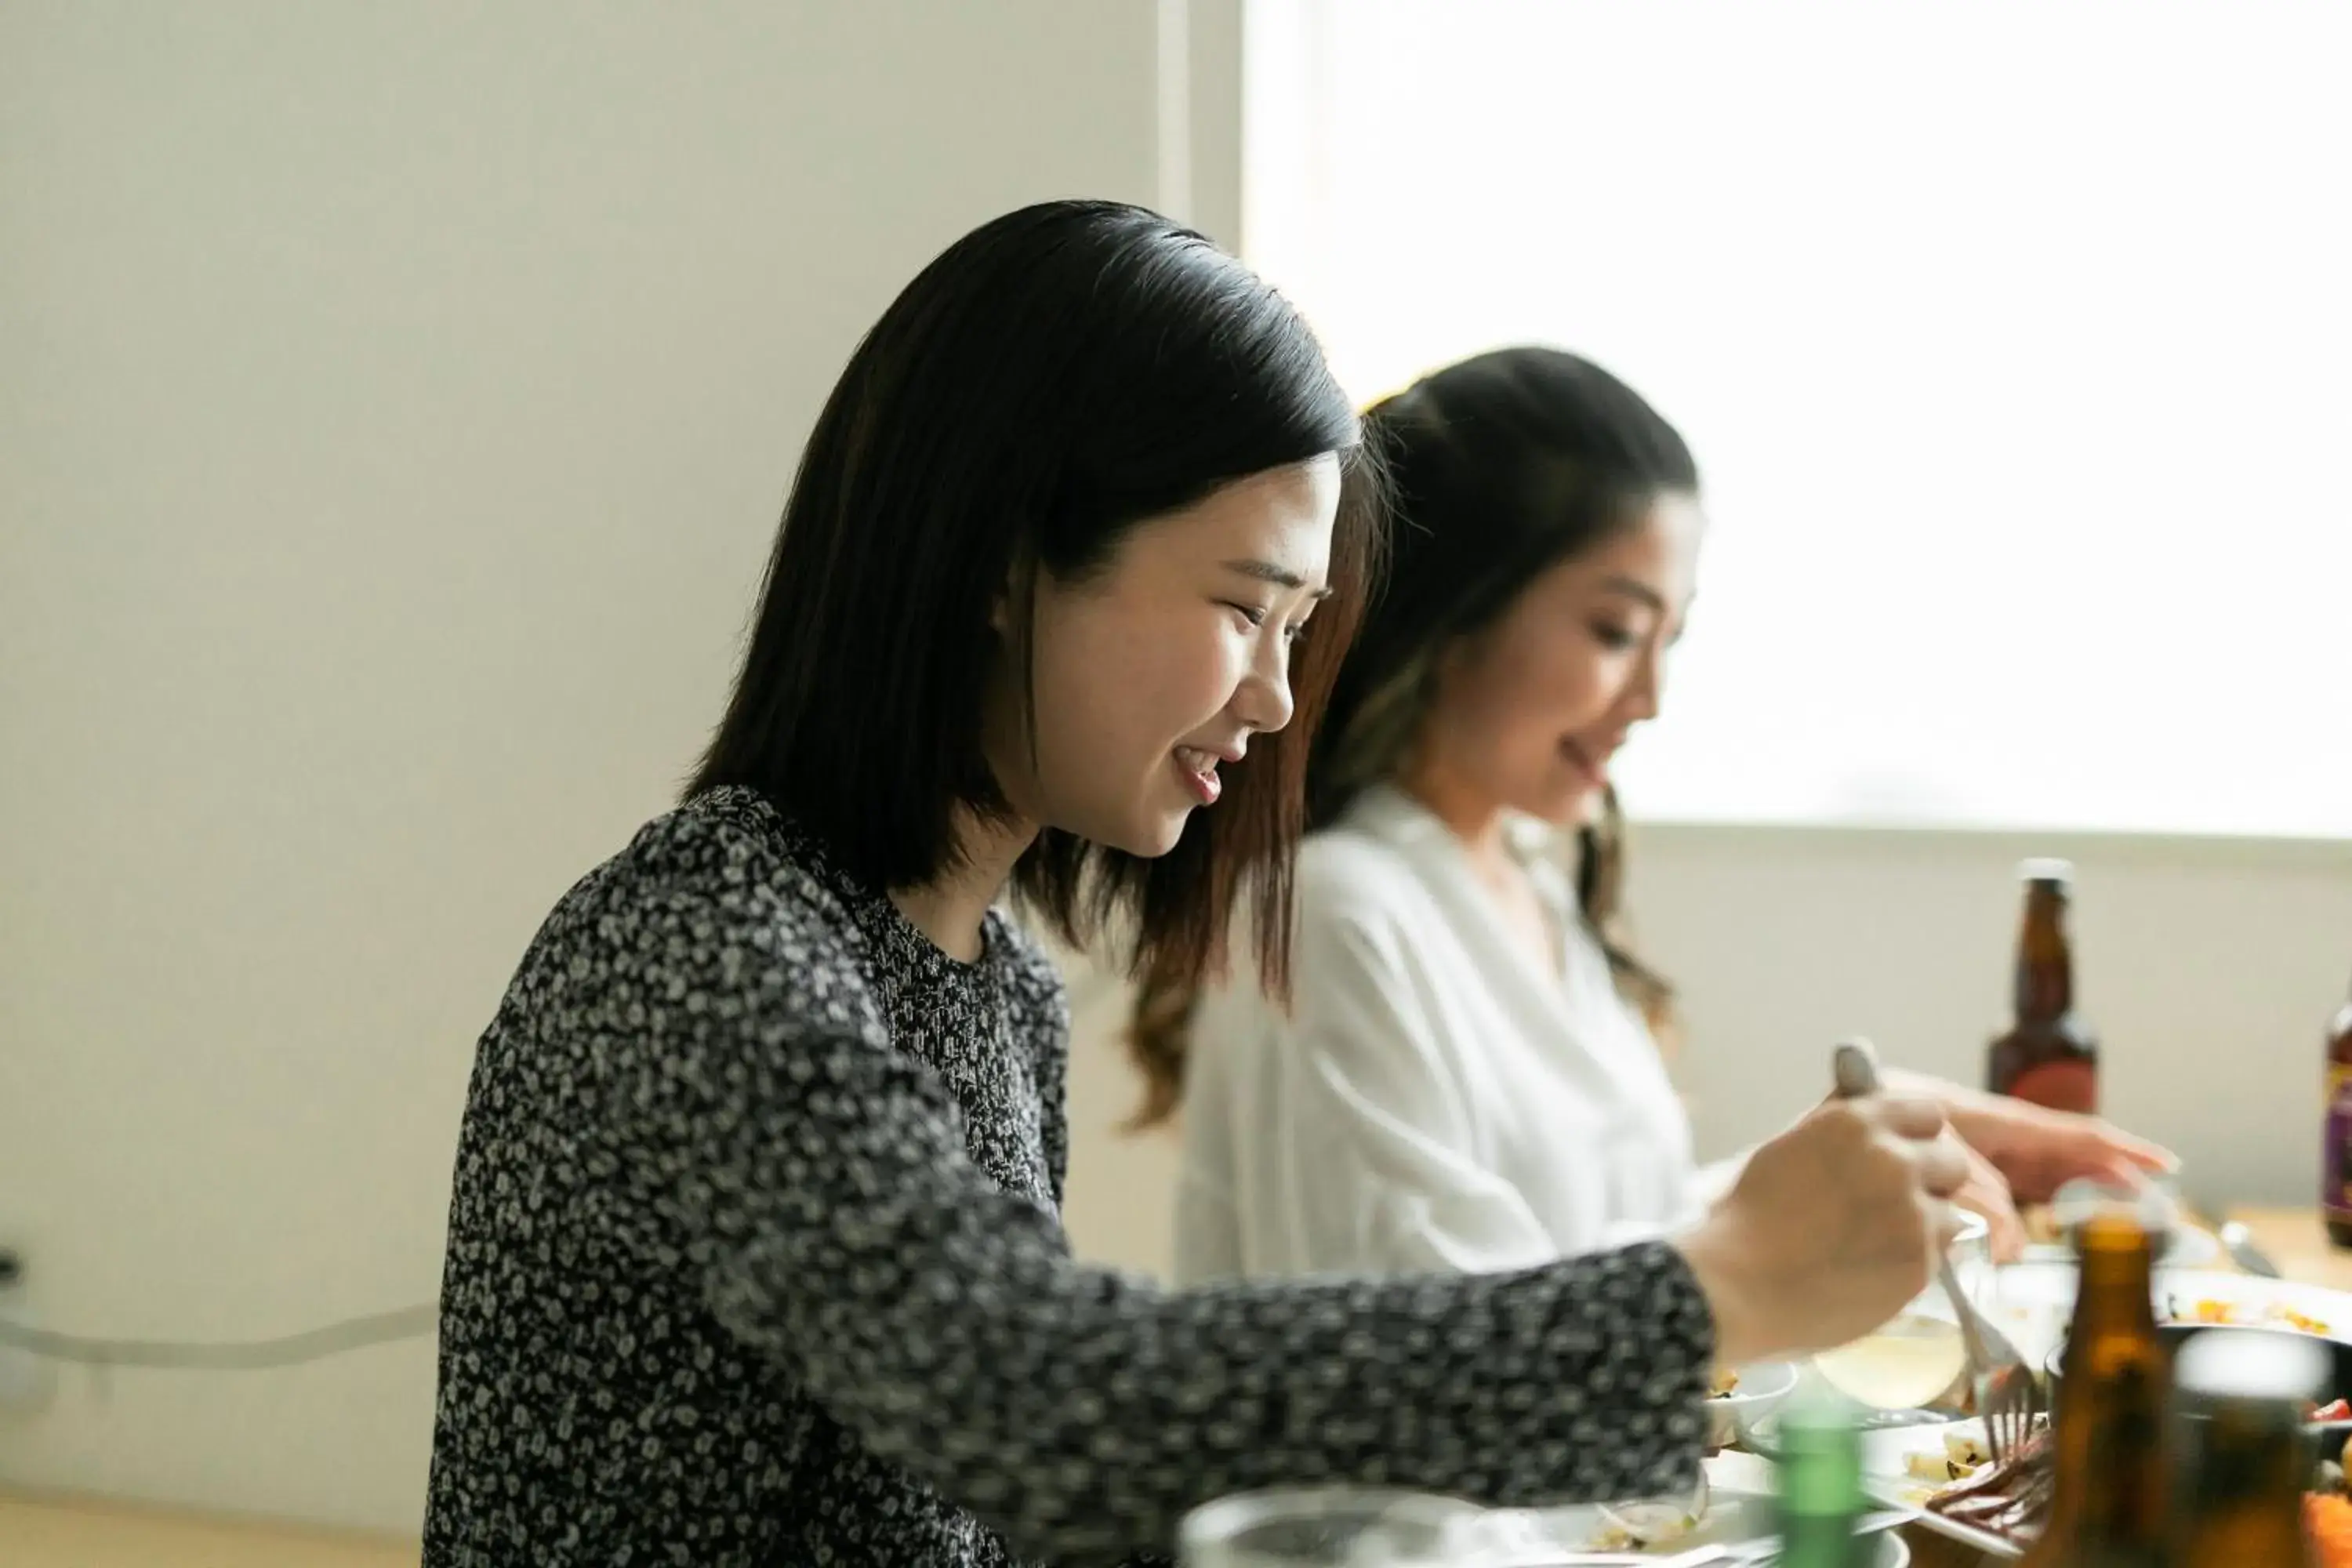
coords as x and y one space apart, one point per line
825 1158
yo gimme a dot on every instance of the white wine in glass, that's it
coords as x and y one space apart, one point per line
1904 1363
1915 1358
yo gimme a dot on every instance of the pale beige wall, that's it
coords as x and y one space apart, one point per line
395 403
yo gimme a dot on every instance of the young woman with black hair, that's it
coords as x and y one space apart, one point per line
754 1251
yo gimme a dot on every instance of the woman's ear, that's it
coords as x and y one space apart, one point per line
1018 588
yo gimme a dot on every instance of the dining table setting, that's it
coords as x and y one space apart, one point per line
2247 1267
1957 1391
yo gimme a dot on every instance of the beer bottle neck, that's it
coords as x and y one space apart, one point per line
2109 1502
2118 1293
2045 964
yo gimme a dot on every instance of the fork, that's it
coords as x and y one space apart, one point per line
2008 1397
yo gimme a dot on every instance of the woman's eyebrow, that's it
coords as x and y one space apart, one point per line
1267 571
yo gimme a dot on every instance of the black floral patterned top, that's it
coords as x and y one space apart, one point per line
755 1257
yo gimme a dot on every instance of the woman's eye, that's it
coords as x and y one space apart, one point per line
1249 612
1617 639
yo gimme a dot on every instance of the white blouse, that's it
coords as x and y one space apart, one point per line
1435 1099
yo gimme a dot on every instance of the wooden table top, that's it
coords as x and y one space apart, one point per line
78 1532
2297 1242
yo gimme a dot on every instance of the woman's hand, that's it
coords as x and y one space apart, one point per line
2037 1151
1985 1191
1831 1228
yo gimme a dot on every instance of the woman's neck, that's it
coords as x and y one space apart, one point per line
1470 815
1482 825
952 908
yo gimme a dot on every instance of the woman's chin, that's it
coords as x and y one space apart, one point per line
1567 809
1150 836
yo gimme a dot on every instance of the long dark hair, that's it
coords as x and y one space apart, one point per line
1053 378
1498 467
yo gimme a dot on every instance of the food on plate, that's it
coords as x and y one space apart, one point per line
1965 1453
1637 1526
2329 1521
2327 1514
2213 1312
2327 1511
1617 1538
2008 1499
1726 1384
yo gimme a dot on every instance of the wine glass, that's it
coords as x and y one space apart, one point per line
1916 1359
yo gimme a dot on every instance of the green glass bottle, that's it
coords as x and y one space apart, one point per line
1821 1485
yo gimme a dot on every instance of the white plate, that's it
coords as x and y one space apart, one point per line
1762 1438
2033 1301
1740 1513
1736 1518
1886 1480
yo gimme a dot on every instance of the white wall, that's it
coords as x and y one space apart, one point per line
396 405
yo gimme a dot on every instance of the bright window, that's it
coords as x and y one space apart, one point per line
2015 341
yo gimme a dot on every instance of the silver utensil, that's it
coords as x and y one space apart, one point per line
2009 1399
2239 1243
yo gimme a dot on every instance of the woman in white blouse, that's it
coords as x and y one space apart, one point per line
1468 1076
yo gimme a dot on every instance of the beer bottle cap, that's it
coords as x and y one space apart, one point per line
2044 869
2148 1207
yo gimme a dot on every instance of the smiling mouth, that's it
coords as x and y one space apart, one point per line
1199 770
